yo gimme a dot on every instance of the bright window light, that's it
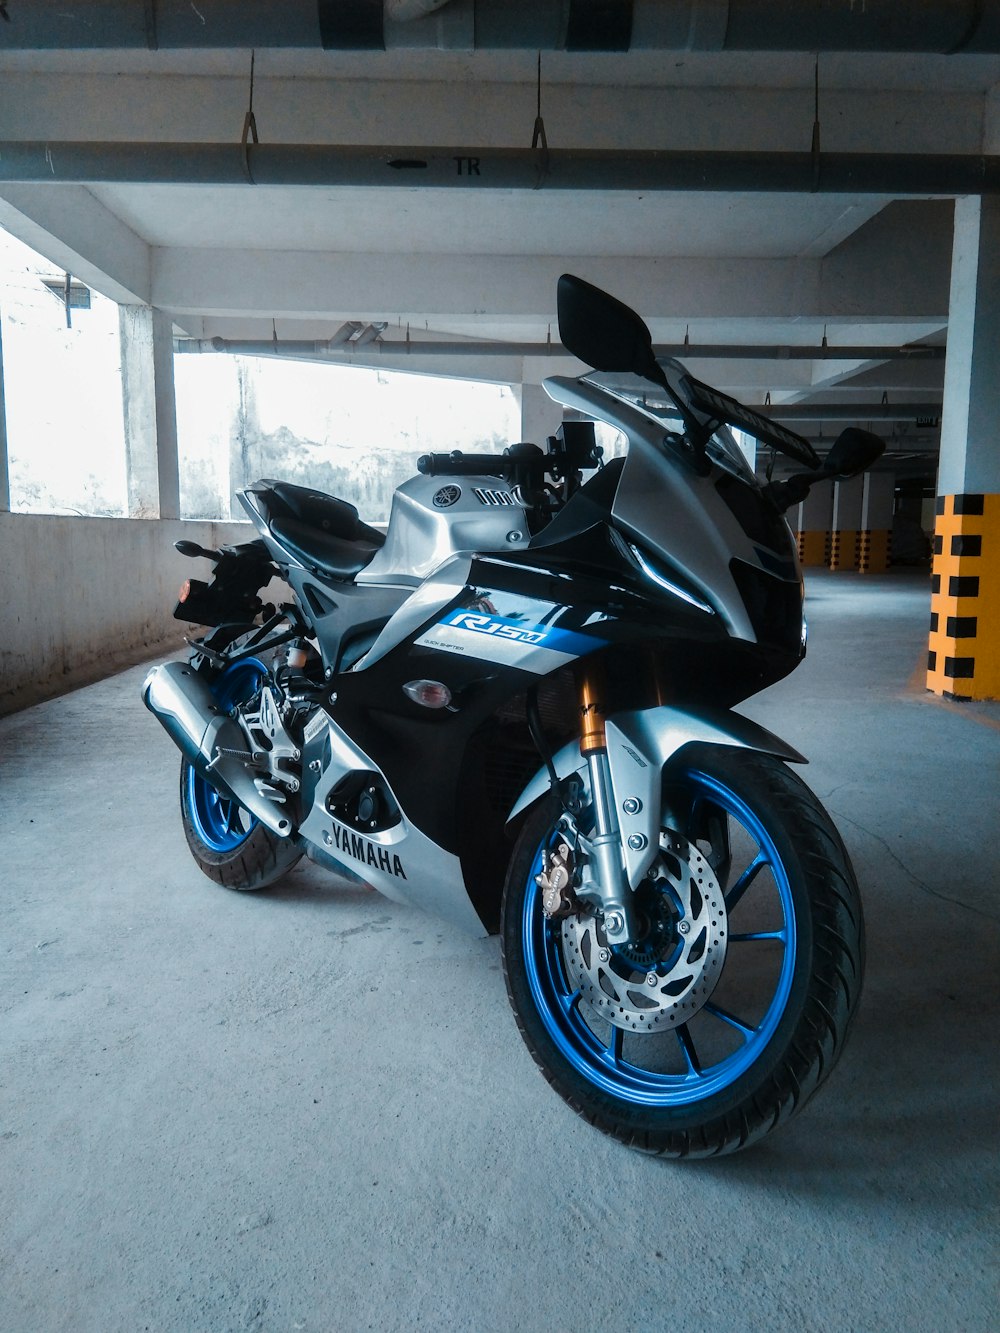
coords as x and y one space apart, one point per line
352 432
62 388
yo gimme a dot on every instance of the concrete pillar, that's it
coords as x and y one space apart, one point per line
812 523
875 536
845 527
4 465
540 416
149 411
963 660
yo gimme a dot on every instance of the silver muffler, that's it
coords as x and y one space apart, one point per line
210 739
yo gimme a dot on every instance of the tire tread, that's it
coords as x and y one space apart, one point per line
834 985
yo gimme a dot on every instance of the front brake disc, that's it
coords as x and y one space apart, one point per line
663 978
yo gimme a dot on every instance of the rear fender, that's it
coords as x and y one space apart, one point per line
640 743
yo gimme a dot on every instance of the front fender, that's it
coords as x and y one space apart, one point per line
639 744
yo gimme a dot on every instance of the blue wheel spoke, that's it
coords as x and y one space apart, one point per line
690 1054
569 1001
696 804
613 1047
219 821
744 1029
745 880
571 1011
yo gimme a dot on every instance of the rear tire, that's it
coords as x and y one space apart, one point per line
257 860
709 1050
230 845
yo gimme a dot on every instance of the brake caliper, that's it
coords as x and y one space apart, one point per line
556 883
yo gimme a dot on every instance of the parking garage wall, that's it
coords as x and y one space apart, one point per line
85 597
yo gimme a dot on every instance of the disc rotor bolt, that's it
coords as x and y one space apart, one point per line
652 978
684 927
604 955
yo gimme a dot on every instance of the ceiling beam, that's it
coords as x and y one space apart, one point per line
496 288
74 230
333 350
471 168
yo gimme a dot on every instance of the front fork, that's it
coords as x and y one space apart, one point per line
606 843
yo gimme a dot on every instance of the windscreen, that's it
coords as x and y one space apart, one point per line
653 403
719 406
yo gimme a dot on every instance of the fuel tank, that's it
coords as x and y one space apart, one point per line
434 518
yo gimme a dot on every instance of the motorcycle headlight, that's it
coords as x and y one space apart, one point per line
663 581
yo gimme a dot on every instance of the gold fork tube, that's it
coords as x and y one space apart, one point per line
591 686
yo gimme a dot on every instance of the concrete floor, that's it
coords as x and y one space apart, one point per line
310 1108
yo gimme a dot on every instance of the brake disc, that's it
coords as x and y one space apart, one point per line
668 972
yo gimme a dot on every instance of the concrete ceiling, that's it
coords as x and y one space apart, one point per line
500 222
239 261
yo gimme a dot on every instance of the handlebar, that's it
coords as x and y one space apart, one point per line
457 464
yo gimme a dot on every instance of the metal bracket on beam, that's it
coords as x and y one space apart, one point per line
539 139
249 128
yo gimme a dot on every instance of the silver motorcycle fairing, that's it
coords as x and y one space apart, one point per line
401 862
436 591
639 743
674 513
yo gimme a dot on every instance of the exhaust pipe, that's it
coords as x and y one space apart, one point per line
209 739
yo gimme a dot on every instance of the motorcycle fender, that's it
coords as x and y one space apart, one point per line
639 744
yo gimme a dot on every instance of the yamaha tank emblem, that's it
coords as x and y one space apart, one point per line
447 496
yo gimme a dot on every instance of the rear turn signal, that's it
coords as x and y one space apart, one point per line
185 591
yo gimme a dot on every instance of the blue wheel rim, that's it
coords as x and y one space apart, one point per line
602 1060
220 822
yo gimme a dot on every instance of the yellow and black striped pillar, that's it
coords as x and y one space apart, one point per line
843 549
963 661
846 526
875 537
814 547
874 550
812 525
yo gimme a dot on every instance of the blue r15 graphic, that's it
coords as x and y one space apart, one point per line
535 648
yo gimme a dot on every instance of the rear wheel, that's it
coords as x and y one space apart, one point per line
229 844
731 1007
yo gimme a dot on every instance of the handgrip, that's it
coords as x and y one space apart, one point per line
457 464
192 549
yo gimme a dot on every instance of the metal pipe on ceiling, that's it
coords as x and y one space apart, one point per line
463 168
934 26
300 347
852 411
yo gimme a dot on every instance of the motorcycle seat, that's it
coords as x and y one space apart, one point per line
322 531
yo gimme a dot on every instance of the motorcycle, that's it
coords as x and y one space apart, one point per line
514 708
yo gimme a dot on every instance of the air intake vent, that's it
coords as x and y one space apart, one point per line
493 497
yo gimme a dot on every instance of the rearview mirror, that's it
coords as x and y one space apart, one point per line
853 451
601 331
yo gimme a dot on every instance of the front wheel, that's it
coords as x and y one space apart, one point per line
732 1005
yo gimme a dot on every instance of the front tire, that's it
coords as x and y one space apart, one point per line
733 1008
